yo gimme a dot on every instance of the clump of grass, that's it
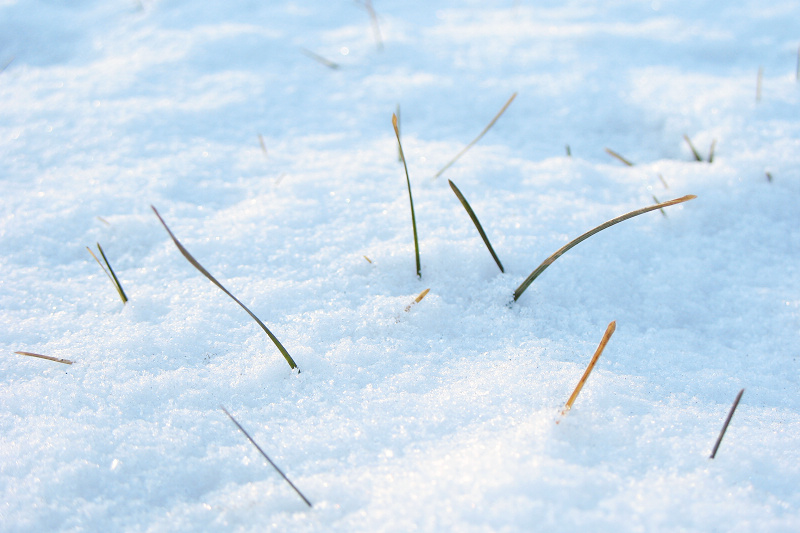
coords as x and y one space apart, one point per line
417 300
410 198
213 280
606 336
56 359
549 261
725 425
477 223
110 273
615 155
319 59
246 434
478 138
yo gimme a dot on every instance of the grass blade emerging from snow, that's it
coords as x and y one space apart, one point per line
549 261
478 138
213 280
694 150
477 223
417 300
410 198
319 59
615 155
606 336
727 421
110 273
246 434
56 359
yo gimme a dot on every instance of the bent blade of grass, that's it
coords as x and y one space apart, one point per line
40 356
549 261
246 434
213 280
477 223
606 336
112 276
410 198
478 138
725 425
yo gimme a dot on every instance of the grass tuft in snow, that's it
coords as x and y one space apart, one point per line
56 359
110 273
477 223
213 280
606 336
549 261
478 138
410 198
725 425
615 155
246 434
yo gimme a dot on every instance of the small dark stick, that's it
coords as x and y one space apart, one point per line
727 421
246 434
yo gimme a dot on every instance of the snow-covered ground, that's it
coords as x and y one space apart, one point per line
442 417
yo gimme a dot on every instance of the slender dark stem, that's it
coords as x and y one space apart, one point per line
410 198
213 280
615 155
727 421
477 223
113 275
694 150
246 434
547 262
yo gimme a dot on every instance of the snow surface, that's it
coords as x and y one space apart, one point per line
441 418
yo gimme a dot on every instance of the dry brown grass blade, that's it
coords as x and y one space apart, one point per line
615 155
40 356
417 300
478 138
606 336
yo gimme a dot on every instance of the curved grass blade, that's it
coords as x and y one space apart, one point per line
213 280
112 276
410 199
478 138
475 221
246 434
547 262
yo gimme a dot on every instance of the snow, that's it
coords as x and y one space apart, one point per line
442 417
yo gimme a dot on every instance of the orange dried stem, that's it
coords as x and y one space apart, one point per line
606 336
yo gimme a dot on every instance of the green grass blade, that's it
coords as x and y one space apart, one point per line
113 275
478 138
711 151
114 279
477 223
694 150
410 198
246 434
549 261
615 155
213 280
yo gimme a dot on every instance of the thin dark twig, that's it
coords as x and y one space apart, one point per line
246 434
727 421
213 280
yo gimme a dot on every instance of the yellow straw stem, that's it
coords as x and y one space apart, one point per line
606 336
